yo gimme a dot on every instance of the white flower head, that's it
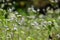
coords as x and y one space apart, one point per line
29 9
57 11
38 10
12 15
15 28
32 17
50 11
9 10
58 35
16 12
41 16
32 7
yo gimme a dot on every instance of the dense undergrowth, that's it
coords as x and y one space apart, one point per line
20 26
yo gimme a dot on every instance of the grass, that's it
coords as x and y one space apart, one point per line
22 27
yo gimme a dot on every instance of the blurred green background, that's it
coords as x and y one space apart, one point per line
19 23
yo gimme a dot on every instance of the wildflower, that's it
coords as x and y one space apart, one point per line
29 9
32 17
57 11
22 20
15 25
9 10
48 8
58 35
9 3
13 8
15 28
38 10
41 16
34 23
19 15
11 16
44 23
16 12
32 7
50 11
7 29
34 10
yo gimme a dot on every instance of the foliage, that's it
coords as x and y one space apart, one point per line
20 27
